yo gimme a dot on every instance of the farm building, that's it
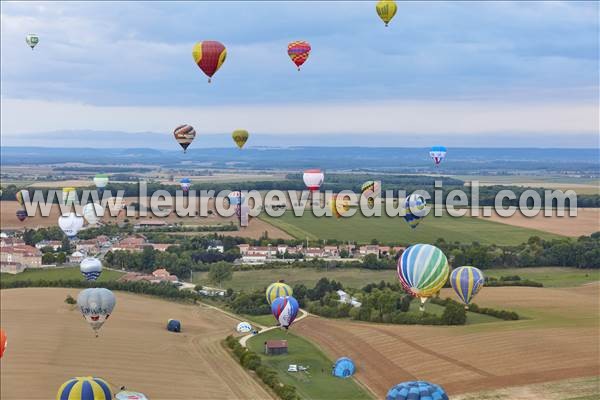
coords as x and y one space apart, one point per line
275 347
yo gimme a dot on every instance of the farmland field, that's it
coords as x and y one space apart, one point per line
49 343
579 185
55 274
394 230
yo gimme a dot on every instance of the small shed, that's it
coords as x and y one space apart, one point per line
274 347
174 325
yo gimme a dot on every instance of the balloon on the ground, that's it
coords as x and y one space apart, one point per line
416 390
313 179
437 154
92 213
3 342
69 195
174 325
415 209
243 327
343 368
84 388
96 305
284 310
277 289
70 224
184 134
21 214
32 40
299 52
185 184
90 268
386 9
209 55
21 195
129 395
101 180
240 137
371 190
466 282
422 270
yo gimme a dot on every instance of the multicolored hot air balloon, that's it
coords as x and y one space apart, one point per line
209 55
339 202
90 268
92 212
437 154
21 214
243 327
70 224
3 342
386 9
284 310
416 390
278 289
101 180
299 52
466 282
371 190
422 270
240 137
185 184
84 388
415 210
21 196
313 179
96 305
32 40
184 134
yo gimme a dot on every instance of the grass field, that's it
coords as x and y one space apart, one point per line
55 274
395 231
318 383
579 185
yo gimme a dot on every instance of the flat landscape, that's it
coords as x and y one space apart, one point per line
49 342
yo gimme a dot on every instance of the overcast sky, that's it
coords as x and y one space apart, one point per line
439 67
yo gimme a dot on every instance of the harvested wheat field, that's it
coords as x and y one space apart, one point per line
49 342
557 339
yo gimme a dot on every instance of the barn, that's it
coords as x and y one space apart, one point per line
275 347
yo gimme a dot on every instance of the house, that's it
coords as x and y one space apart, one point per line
243 248
54 244
6 241
162 275
159 275
76 257
313 252
159 246
347 299
368 249
275 347
130 243
28 256
11 267
211 292
87 246
384 251
331 251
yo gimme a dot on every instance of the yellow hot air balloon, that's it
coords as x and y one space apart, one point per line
386 9
240 136
278 289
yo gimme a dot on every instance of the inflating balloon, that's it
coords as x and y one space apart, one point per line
209 55
92 212
90 268
299 52
466 282
96 305
284 310
243 327
415 210
84 388
70 224
437 154
277 289
184 134
32 40
416 390
240 137
386 9
313 179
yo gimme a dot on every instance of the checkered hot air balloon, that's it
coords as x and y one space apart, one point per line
299 52
422 271
466 282
284 310
416 390
84 388
209 55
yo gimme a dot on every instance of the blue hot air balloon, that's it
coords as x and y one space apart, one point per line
284 310
466 282
185 184
343 368
415 209
416 390
437 154
84 388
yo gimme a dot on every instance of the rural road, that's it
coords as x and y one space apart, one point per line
264 329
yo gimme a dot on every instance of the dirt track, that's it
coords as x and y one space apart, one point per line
48 343
559 342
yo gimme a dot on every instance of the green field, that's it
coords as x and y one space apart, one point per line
387 230
55 274
264 320
317 383
550 276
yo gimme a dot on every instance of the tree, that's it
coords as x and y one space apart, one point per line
148 258
61 258
48 258
454 314
66 245
220 272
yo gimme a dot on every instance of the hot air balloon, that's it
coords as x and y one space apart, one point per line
236 198
185 184
3 342
284 310
416 390
372 190
338 202
101 180
184 134
313 179
415 210
21 195
277 289
32 40
70 224
92 212
386 9
437 154
343 368
240 137
129 395
243 327
90 268
96 305
422 270
298 52
69 196
466 282
209 55
21 214
84 388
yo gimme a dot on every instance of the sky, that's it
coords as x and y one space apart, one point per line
440 68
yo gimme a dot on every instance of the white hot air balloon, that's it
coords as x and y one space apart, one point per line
92 213
70 224
96 305
32 40
313 179
101 180
243 327
90 268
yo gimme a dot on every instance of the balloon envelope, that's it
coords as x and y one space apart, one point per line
416 390
101 180
69 195
299 52
277 289
184 134
90 268
209 55
70 224
236 198
92 212
185 184
3 342
466 282
32 40
21 195
437 154
243 327
84 388
129 395
415 210
96 305
343 368
386 9
240 137
422 270
21 214
313 179
284 310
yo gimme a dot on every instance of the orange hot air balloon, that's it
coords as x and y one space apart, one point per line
209 55
2 342
298 52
